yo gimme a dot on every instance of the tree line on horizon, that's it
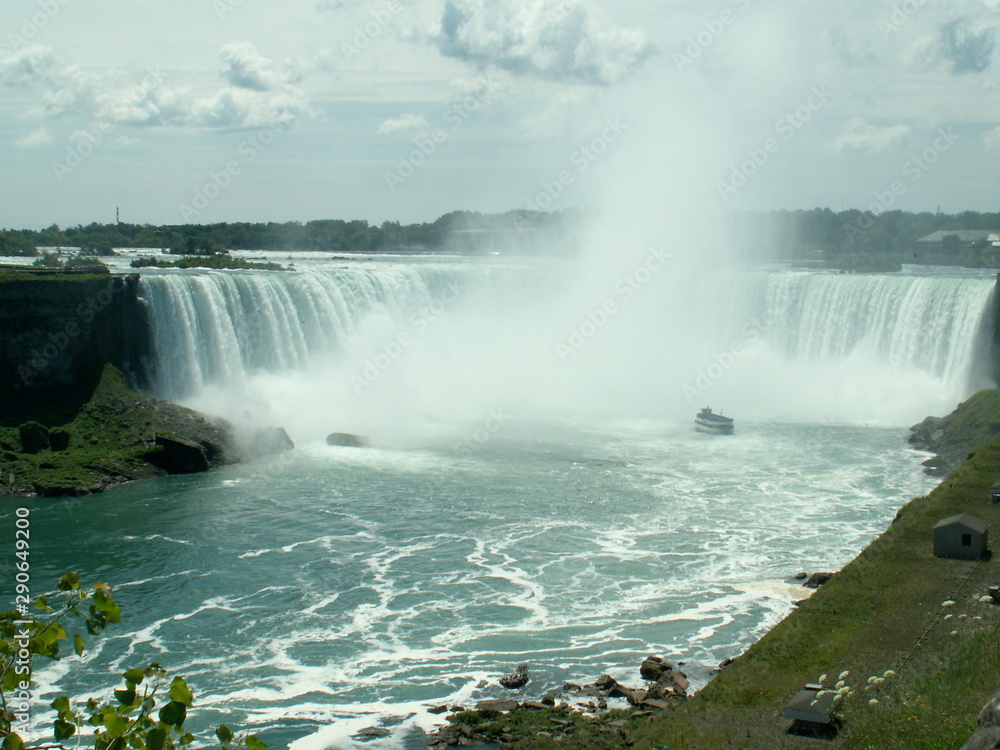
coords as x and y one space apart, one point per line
818 233
332 235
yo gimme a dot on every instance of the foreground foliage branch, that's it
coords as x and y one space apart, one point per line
147 713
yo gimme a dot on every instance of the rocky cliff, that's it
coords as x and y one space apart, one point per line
58 330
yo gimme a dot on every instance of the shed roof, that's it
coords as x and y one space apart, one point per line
811 705
996 486
964 519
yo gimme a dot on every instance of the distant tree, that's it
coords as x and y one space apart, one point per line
16 244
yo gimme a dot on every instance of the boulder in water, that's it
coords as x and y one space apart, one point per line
516 679
346 440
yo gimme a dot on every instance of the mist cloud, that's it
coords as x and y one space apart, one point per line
550 39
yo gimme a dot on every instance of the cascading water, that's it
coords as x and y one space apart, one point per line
883 348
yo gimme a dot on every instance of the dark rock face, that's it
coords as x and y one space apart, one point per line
34 437
180 456
346 440
58 331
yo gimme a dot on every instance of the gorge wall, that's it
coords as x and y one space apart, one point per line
58 330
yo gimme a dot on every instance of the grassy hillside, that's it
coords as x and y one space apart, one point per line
953 437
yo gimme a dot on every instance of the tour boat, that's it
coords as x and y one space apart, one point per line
713 424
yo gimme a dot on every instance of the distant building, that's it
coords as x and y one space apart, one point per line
995 493
952 242
961 537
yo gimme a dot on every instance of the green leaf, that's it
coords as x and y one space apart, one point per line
61 704
254 743
78 644
173 714
180 693
13 742
63 730
42 603
135 676
156 739
125 697
187 739
9 681
224 734
137 742
115 725
69 582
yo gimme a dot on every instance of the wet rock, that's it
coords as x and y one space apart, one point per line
500 706
372 733
438 710
516 679
346 440
801 576
605 682
653 667
817 579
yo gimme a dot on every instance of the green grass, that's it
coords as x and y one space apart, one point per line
16 274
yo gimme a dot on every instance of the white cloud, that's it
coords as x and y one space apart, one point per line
403 122
551 39
34 138
258 95
244 67
991 141
860 135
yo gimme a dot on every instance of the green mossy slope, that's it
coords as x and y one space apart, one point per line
110 441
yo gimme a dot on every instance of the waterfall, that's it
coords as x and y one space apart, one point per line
452 339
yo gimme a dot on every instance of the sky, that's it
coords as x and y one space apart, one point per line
200 111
